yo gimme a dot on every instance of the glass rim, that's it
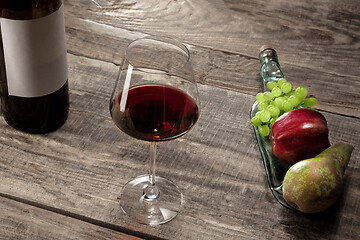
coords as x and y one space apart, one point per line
164 39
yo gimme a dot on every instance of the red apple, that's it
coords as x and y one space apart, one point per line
299 134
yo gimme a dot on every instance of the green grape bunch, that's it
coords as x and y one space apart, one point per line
280 99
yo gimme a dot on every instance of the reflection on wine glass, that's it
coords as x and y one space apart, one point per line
155 99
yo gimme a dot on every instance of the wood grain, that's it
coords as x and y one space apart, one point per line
81 168
225 56
21 221
70 180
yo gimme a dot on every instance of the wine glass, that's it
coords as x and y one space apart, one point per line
155 99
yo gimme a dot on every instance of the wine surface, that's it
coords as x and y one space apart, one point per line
154 112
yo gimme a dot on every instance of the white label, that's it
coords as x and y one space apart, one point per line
35 54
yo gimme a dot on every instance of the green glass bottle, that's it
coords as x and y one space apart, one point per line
270 68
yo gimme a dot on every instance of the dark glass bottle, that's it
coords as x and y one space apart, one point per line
33 65
270 68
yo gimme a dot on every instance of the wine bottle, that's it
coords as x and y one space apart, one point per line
33 63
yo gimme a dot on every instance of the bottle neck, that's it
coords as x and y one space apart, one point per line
268 55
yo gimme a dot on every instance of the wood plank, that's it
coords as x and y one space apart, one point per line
82 167
323 28
22 221
227 57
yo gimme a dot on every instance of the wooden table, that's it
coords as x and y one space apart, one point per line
66 184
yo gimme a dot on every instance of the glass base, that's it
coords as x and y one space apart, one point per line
151 211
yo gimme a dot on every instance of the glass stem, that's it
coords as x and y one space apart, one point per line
152 191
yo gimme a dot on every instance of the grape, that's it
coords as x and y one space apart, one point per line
260 97
262 105
280 99
257 114
271 84
310 102
281 81
286 87
269 107
255 121
294 101
271 104
298 96
264 130
269 96
276 91
286 95
287 106
265 116
274 111
278 102
302 91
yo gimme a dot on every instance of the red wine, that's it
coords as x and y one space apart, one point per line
155 112
33 64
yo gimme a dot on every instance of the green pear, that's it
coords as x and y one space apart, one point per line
314 184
